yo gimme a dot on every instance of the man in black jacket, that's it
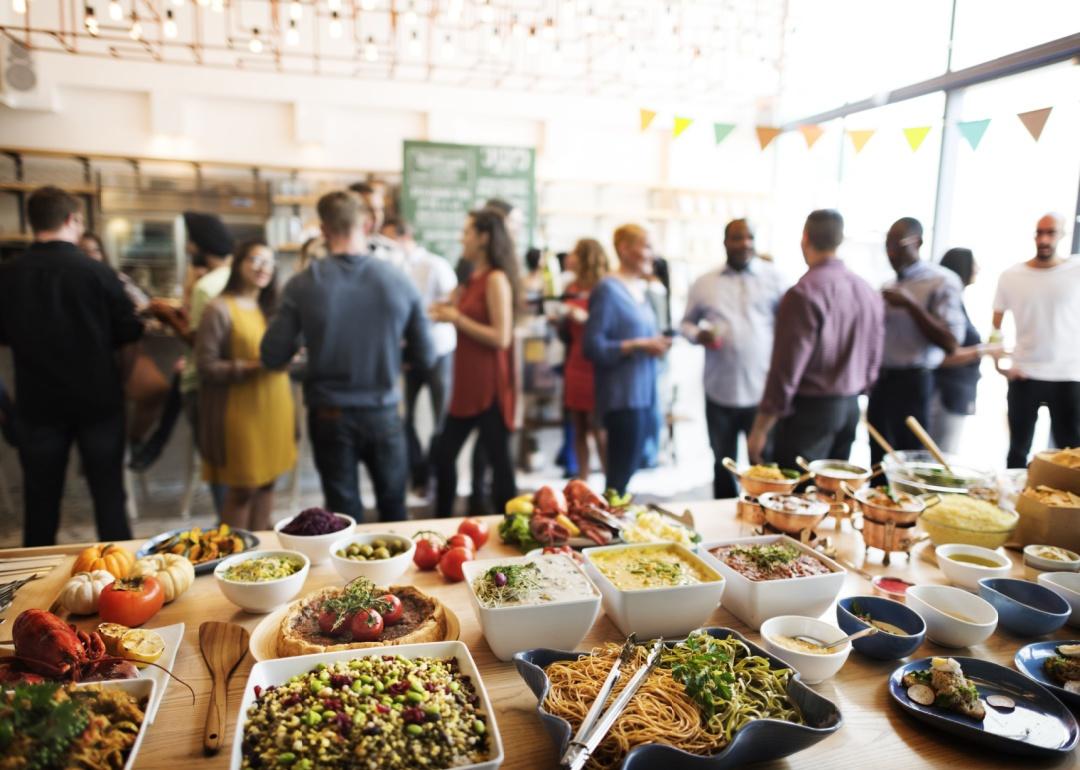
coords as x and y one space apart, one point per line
72 331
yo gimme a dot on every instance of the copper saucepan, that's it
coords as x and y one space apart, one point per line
888 536
828 475
792 514
891 513
756 487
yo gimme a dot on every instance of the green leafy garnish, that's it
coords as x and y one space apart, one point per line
358 595
615 500
519 582
514 528
767 557
51 723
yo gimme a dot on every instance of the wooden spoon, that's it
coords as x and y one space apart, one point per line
223 646
931 446
874 434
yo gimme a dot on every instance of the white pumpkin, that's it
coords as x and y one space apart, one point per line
174 572
81 592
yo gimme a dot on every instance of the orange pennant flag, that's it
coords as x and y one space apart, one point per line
1035 121
647 117
860 138
765 135
915 136
811 133
681 124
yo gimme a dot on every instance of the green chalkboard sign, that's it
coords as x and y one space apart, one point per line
441 183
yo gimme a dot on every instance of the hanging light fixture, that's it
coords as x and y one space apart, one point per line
448 47
588 22
410 15
203 3
255 45
367 5
217 6
19 6
494 43
90 21
178 3
487 13
135 33
371 53
116 11
170 25
296 11
517 29
335 25
532 45
415 49
549 29
333 5
292 34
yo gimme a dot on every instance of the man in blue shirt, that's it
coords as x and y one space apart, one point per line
731 312
353 311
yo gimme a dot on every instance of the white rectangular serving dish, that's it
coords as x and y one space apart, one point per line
276 672
755 601
671 612
560 625
173 636
140 688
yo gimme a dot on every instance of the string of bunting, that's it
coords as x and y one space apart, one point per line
971 130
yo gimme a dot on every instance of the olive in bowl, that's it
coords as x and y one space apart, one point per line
379 556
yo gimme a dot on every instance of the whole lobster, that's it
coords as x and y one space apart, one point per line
46 646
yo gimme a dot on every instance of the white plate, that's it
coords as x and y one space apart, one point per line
173 637
276 672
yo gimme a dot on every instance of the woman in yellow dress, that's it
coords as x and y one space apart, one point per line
246 418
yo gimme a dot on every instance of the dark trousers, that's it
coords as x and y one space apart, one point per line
821 428
1025 398
897 394
627 432
44 450
341 439
437 379
494 436
725 423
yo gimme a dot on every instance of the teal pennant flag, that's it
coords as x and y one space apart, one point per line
973 130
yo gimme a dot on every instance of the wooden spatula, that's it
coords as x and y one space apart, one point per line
223 646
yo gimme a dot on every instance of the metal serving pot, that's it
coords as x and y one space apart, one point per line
828 475
888 536
747 507
890 513
808 513
756 487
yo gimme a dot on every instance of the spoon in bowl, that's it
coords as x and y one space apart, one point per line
868 631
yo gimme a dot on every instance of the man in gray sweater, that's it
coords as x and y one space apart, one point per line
352 312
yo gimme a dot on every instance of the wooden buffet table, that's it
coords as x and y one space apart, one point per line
874 734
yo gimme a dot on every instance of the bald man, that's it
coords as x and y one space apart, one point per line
1043 295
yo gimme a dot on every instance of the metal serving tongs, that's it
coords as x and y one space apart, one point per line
596 725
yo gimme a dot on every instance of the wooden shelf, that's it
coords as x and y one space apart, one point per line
74 189
667 215
15 237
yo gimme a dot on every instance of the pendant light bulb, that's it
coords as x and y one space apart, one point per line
335 25
292 34
19 7
135 33
410 15
367 5
453 11
116 11
415 48
91 22
333 5
371 53
448 48
487 13
296 11
255 45
170 25
217 6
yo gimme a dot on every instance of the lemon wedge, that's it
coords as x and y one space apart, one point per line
111 634
142 645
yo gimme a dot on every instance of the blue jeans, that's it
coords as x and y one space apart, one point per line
627 431
341 438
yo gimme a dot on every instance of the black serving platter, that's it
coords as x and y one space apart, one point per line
203 568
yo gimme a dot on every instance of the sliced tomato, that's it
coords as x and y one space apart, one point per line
477 529
131 602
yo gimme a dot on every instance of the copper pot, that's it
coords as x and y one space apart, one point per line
855 475
756 487
888 536
747 507
792 514
886 513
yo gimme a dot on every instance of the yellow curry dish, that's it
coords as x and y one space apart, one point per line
661 566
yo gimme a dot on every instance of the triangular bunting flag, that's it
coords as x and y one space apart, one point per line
681 124
765 135
860 137
811 133
722 130
973 130
647 117
915 136
1034 121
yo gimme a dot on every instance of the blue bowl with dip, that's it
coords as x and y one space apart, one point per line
883 645
1025 608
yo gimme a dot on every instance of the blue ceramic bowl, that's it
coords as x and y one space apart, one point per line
881 645
1025 608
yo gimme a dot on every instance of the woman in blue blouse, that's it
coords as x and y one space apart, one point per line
622 341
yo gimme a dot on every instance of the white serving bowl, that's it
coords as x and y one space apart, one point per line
754 601
812 668
276 672
267 595
559 625
141 689
313 546
1067 586
968 575
1050 565
935 603
671 612
381 572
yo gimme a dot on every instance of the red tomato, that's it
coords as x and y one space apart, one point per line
328 621
393 611
477 529
428 550
450 563
366 626
461 541
131 602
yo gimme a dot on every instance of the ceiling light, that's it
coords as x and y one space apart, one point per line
414 44
549 29
448 48
91 22
255 45
296 11
178 3
292 34
217 6
19 6
367 5
371 53
333 5
203 3
487 13
517 29
533 43
169 27
588 23
335 25
453 11
116 11
410 15
494 44
620 27
135 33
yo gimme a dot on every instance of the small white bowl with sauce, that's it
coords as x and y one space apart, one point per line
779 636
966 565
1050 558
954 617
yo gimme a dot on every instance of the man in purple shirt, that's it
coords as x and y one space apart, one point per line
830 332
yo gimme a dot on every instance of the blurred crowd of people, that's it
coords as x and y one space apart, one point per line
371 319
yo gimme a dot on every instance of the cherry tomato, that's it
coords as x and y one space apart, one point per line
328 620
131 602
461 541
429 549
477 529
366 626
393 611
450 563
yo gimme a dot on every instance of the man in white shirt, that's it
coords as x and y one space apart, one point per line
731 312
382 246
1043 295
435 280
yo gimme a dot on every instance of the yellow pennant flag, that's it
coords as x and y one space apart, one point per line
647 117
1035 121
915 136
765 135
860 138
681 124
811 133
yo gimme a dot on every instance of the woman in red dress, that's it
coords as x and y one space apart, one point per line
482 311
589 263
